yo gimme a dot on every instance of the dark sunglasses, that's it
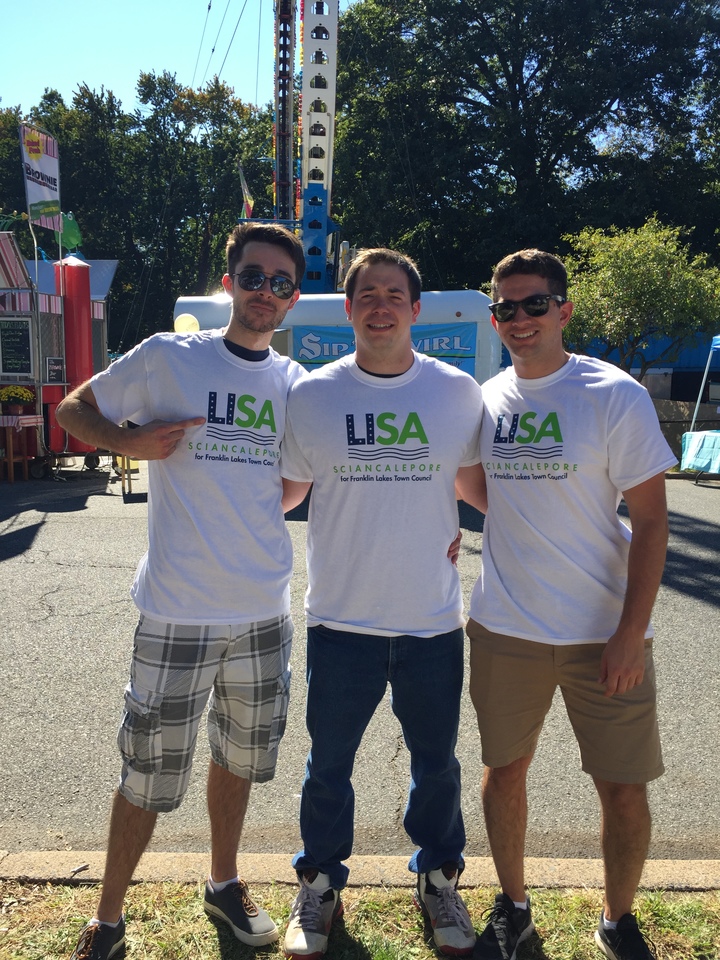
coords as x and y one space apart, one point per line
535 306
254 280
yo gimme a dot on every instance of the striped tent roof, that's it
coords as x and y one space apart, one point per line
13 275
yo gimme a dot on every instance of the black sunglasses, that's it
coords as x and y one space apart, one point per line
535 306
254 280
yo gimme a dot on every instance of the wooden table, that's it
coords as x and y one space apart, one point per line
20 425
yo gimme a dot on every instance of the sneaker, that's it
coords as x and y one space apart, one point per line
99 941
315 908
506 929
625 942
248 922
436 895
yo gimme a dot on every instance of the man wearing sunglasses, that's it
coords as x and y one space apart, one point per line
565 594
382 435
212 590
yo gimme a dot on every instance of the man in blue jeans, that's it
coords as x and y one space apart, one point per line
383 435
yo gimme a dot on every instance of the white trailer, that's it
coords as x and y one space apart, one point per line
453 325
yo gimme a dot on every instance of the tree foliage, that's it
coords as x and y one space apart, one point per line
465 129
632 287
472 128
157 189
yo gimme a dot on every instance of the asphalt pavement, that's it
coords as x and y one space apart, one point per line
68 551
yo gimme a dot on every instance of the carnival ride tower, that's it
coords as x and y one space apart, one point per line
302 190
319 31
284 131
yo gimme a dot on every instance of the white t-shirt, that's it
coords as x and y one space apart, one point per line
382 454
218 550
557 451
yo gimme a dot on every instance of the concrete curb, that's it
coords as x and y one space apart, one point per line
77 866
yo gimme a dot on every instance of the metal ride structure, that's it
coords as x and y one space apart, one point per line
303 184
455 324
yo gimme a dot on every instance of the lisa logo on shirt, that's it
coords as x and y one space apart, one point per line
385 429
243 411
523 429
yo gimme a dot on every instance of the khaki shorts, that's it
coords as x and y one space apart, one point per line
512 683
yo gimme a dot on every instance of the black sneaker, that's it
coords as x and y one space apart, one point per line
625 942
436 895
506 929
99 941
250 923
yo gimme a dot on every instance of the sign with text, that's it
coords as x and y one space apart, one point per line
15 354
41 172
455 343
55 370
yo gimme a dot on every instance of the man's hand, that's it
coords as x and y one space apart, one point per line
80 415
622 665
454 549
158 439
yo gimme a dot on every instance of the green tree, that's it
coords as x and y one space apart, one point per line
403 173
480 120
227 133
185 154
640 295
12 190
157 189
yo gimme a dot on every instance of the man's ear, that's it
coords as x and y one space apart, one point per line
294 299
566 310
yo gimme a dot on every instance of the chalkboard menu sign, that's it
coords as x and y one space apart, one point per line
55 370
15 354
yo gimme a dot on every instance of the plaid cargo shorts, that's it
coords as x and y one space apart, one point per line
240 669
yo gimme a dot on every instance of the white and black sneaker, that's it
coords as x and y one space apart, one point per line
507 927
625 942
436 895
316 908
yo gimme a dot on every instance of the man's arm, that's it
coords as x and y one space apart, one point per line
294 492
80 415
623 661
470 486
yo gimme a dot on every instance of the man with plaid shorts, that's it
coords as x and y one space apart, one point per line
565 594
212 590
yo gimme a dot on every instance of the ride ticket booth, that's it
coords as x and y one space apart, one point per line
53 336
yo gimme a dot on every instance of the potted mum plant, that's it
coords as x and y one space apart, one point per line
15 398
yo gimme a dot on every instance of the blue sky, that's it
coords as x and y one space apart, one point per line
47 43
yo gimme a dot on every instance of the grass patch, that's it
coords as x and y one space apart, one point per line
165 921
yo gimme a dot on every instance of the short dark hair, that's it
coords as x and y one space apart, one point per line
545 265
273 233
373 255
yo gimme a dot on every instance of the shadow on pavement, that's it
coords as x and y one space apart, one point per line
696 572
46 496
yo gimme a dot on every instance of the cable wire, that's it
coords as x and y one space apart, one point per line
232 38
197 59
216 40
257 64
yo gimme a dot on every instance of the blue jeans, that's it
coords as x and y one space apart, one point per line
347 674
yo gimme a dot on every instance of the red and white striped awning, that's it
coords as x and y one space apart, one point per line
13 275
